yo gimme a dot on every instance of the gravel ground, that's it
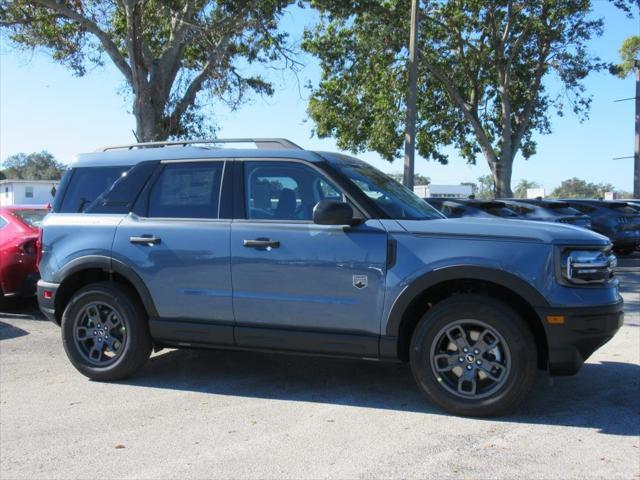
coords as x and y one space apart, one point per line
204 414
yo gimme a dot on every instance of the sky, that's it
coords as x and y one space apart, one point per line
44 107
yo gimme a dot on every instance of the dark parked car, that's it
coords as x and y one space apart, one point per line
543 210
619 221
470 207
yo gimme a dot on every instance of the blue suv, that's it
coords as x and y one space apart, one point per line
195 244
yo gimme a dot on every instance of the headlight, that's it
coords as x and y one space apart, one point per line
587 266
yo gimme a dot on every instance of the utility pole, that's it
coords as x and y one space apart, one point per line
410 129
636 152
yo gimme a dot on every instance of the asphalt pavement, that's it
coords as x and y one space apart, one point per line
223 414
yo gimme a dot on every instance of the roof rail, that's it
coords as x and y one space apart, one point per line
267 143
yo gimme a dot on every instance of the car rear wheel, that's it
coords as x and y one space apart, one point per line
105 332
473 355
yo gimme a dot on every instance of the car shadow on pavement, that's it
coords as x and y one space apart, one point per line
20 308
9 331
602 396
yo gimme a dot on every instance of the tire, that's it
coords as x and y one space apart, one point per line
111 314
436 353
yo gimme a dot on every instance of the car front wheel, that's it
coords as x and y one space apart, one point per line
473 355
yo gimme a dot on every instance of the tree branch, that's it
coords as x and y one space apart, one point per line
92 27
471 116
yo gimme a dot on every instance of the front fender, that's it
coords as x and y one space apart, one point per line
456 272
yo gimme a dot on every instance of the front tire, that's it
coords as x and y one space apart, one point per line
105 332
473 356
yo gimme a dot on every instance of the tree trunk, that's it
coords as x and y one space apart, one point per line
148 119
501 171
636 150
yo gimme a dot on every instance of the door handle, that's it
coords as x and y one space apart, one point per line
261 243
145 240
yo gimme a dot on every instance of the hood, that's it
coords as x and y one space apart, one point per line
520 230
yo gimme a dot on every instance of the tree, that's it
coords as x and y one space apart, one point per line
481 72
486 187
523 186
32 166
629 55
473 185
578 188
167 51
418 179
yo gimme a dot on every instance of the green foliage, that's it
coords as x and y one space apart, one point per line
629 56
521 189
176 56
486 188
32 166
480 71
578 188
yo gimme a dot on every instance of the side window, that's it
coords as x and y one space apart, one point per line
3 222
187 190
285 190
86 184
120 197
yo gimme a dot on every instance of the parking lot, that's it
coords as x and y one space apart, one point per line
203 414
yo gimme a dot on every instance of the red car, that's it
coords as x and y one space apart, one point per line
19 235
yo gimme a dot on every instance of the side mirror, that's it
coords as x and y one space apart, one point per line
330 212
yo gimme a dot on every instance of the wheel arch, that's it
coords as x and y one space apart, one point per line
95 268
433 287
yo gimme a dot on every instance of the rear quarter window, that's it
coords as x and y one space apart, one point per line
86 184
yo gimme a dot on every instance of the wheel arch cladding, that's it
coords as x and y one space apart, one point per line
87 270
436 286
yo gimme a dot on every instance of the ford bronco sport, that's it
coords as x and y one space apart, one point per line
195 244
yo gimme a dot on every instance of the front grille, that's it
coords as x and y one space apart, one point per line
629 219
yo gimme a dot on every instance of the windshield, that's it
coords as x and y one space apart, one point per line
562 208
500 211
31 217
393 199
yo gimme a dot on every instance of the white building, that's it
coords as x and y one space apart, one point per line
536 192
27 192
443 191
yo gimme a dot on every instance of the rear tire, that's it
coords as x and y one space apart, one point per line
495 371
105 332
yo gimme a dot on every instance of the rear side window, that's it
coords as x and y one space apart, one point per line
187 190
86 184
3 222
121 196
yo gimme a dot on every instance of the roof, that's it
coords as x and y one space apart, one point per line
591 201
132 157
7 181
194 149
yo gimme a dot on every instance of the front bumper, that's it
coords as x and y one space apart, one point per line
47 303
585 329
